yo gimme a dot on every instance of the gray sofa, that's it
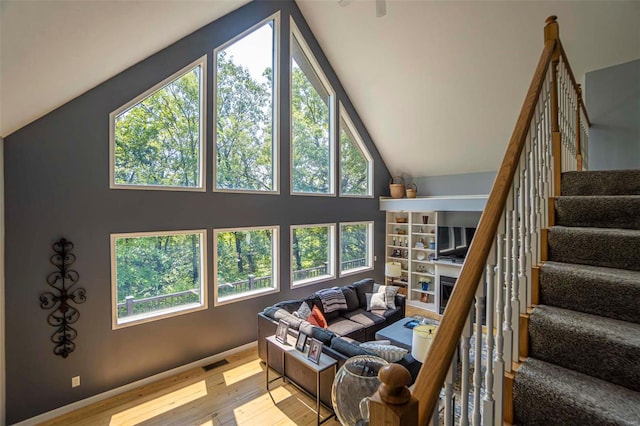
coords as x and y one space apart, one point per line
346 328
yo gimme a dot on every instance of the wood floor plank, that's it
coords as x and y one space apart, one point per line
232 394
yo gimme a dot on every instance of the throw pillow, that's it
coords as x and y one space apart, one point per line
332 299
390 292
376 301
387 352
316 318
347 348
303 311
363 287
352 298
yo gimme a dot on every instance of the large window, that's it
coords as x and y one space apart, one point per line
312 100
157 274
246 263
356 247
356 165
157 138
312 257
245 134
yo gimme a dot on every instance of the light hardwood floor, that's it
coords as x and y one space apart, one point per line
232 394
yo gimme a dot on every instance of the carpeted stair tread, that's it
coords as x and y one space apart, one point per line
609 292
601 347
601 182
611 248
617 211
546 394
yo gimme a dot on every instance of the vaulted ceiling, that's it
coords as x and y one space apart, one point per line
438 84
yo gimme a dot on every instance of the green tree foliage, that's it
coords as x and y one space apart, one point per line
244 128
157 141
240 253
310 247
310 136
354 176
353 243
157 265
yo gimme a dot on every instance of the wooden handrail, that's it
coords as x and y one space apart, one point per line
434 370
576 86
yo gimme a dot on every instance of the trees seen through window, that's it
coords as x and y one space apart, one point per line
157 141
245 100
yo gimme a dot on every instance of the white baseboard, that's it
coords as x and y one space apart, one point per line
131 386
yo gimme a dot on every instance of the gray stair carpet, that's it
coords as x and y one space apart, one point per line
608 292
601 347
583 366
605 182
547 395
616 211
613 248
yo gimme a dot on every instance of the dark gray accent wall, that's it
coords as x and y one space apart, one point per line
57 185
613 104
460 184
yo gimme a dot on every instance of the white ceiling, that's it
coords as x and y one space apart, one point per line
437 84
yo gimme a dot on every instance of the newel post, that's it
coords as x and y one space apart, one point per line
393 404
552 33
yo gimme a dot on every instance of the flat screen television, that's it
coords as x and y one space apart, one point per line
454 241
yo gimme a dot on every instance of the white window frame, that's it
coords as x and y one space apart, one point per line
275 259
202 63
295 33
275 149
163 313
331 266
370 247
351 128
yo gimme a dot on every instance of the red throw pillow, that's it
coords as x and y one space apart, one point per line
317 318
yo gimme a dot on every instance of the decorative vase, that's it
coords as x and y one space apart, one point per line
355 382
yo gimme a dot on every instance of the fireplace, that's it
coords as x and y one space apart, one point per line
446 288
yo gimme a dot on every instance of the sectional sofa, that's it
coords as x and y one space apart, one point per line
345 328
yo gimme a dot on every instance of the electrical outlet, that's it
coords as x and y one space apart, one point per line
75 381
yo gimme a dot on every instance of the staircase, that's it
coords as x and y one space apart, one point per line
584 336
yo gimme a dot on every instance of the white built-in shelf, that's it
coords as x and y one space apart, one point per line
423 249
426 234
472 203
423 274
417 290
422 305
399 235
425 262
397 258
397 223
447 263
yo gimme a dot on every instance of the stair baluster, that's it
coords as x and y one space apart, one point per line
477 360
487 399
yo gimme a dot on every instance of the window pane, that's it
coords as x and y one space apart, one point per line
157 275
244 113
157 141
245 262
354 165
311 256
310 117
354 246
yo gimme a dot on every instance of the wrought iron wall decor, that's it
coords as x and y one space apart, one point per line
63 281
